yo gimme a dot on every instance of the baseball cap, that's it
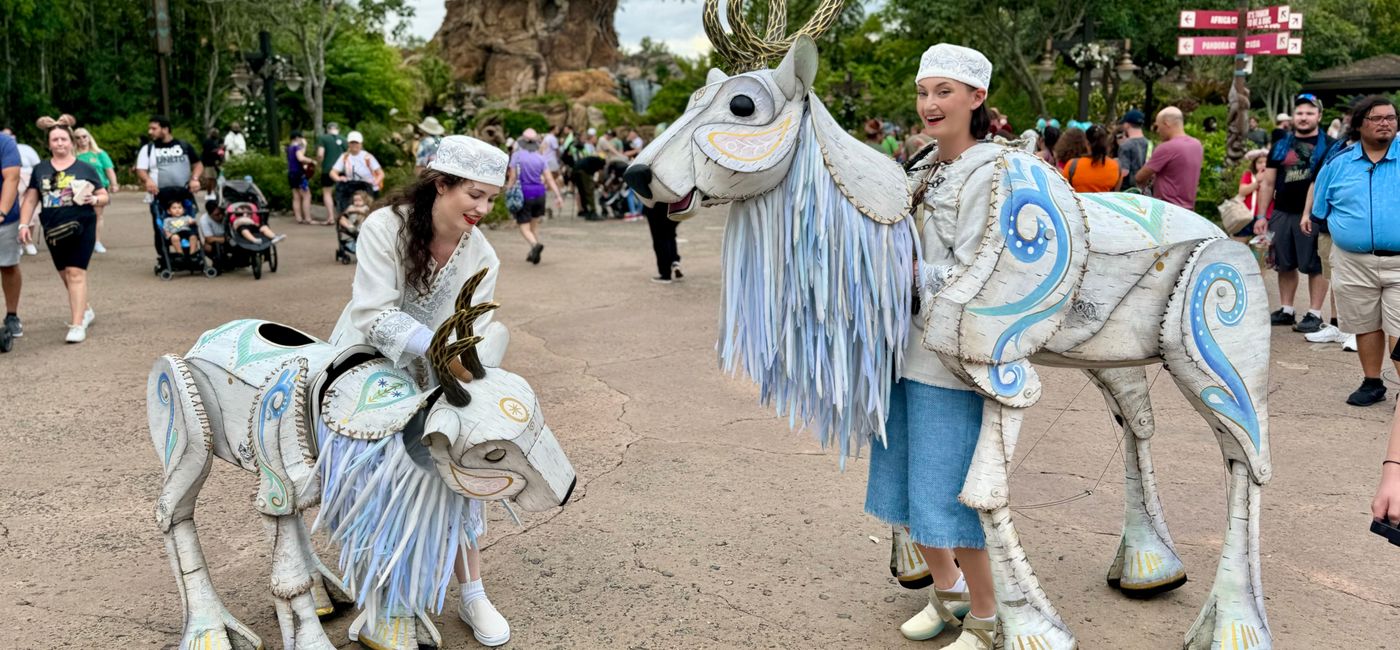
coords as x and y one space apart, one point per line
355 136
1282 117
1307 98
1134 117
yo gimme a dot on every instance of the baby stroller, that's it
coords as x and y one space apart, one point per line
345 238
612 198
239 200
190 256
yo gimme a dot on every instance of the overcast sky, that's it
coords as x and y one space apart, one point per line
676 22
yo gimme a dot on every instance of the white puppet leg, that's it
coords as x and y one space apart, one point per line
1210 342
292 580
1147 562
327 589
1028 618
180 433
907 563
1233 616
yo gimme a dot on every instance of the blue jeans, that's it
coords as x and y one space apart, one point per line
916 477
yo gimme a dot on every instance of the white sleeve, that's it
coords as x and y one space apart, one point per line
371 162
143 158
378 291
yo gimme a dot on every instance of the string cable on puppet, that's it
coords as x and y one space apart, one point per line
1121 434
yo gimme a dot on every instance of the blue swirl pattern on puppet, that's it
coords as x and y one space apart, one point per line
1028 190
1235 402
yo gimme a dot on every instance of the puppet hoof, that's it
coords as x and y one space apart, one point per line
1145 567
389 633
906 562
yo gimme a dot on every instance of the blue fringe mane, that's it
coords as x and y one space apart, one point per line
816 302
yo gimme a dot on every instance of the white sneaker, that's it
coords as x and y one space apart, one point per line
1350 343
76 334
88 316
99 248
487 624
1328 334
30 249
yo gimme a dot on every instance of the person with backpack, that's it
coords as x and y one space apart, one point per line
1292 166
356 169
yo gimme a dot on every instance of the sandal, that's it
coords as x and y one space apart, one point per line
977 634
944 608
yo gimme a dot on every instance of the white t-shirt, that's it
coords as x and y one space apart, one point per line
357 167
210 228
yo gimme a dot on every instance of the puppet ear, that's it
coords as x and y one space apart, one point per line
714 76
873 182
795 74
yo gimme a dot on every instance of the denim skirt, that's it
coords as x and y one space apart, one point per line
916 476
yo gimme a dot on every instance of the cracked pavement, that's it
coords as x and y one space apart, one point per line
699 520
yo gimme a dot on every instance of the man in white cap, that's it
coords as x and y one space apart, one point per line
412 263
355 170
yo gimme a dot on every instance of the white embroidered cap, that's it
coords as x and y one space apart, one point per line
957 63
472 159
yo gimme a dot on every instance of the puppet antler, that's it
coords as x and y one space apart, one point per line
457 359
744 50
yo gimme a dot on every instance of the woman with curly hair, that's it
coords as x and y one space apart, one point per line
415 254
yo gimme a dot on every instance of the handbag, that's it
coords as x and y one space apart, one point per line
56 235
1234 215
515 195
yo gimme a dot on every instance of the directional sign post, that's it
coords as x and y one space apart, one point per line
1280 24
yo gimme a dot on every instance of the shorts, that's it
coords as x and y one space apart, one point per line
297 181
1324 251
10 249
1367 289
74 251
531 210
1292 249
915 478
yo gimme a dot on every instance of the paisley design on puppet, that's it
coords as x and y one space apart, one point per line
1233 400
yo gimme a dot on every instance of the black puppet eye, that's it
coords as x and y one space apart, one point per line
741 105
495 455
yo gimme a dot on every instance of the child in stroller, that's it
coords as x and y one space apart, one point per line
177 242
347 229
247 223
179 228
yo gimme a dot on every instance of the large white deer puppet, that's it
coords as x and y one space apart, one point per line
392 469
818 285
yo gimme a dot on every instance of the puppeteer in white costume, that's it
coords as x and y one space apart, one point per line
1016 270
398 428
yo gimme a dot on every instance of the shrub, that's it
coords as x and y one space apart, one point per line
1214 186
269 172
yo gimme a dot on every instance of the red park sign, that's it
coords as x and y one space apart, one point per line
1274 18
1272 43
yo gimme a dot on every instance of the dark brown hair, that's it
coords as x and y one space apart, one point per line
1098 144
1073 144
414 202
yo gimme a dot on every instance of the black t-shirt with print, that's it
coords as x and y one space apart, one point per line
1294 174
56 192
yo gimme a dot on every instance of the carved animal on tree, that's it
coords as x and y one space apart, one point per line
817 258
391 464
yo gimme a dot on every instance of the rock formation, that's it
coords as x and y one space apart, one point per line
513 47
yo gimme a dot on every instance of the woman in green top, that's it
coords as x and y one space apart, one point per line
90 153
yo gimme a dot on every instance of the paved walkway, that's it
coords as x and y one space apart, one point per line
700 521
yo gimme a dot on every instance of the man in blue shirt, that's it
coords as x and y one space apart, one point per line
10 248
1357 196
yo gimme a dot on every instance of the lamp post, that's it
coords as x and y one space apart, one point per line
1088 56
258 72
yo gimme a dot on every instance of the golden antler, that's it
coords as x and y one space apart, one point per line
744 50
456 362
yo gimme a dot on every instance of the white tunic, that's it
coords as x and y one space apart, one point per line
954 221
397 320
